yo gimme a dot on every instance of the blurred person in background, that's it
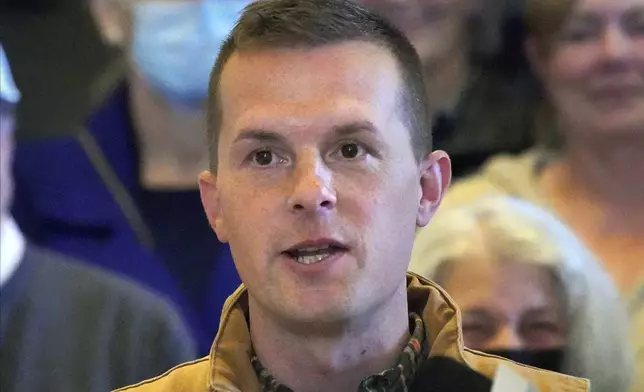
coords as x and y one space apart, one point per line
122 192
476 84
65 326
528 289
589 167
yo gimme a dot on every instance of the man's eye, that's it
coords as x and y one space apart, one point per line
351 150
265 158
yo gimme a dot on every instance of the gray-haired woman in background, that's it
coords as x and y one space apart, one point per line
588 56
528 290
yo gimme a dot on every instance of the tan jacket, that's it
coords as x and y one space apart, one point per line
228 368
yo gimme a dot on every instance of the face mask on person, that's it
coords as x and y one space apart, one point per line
543 359
175 44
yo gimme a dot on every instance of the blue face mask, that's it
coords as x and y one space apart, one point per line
175 44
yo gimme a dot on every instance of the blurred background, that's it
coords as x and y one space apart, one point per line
539 103
57 55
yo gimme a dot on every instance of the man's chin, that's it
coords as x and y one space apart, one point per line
319 321
316 309
319 308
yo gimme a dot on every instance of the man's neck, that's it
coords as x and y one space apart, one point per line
320 361
446 80
171 140
608 171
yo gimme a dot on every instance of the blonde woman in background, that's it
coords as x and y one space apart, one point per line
589 57
528 290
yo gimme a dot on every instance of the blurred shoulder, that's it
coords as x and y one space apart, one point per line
503 174
93 289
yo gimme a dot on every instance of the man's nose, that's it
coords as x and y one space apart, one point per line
313 190
507 338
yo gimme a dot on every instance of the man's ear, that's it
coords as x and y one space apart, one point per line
112 21
435 177
212 204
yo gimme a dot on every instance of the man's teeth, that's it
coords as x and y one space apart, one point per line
312 259
312 255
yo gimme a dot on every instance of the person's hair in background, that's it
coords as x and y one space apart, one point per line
544 21
514 239
444 32
449 36
478 82
497 107
333 28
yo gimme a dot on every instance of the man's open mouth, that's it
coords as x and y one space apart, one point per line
314 254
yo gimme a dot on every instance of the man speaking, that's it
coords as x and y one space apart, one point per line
321 169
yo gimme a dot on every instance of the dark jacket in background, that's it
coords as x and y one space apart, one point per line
67 327
81 196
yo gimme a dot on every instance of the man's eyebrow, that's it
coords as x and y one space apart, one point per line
353 128
260 135
263 135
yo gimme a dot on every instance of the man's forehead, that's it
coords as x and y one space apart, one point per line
308 82
349 116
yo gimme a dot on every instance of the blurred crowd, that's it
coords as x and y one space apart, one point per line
112 274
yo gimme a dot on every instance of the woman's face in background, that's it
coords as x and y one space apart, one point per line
509 308
593 68
437 28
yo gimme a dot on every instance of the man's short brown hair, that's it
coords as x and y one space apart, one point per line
278 24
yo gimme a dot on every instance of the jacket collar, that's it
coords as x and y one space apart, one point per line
230 365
